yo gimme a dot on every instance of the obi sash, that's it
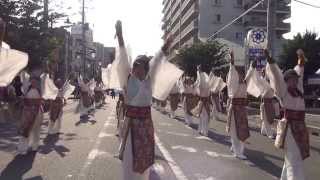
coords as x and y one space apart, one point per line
215 98
86 99
174 101
296 120
31 109
56 108
142 137
269 109
191 102
205 103
239 111
98 95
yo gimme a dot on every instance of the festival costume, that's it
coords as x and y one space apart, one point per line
174 99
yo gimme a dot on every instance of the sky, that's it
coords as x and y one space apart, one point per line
142 21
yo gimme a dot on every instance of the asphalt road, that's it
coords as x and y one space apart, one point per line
85 151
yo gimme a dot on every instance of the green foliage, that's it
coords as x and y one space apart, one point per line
310 43
208 55
26 29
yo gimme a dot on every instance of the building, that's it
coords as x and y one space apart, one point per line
193 20
77 44
108 55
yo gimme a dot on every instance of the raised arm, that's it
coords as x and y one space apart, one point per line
299 68
232 78
275 75
156 60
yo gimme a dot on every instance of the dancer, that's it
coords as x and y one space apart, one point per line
61 93
204 92
292 133
174 98
31 117
138 145
237 124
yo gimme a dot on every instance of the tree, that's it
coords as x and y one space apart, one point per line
25 29
310 43
208 55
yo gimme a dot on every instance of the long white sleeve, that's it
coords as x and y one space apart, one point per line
277 82
232 81
154 65
300 71
256 86
120 69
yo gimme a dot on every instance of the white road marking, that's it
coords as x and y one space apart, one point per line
177 134
203 137
95 151
185 148
173 165
215 154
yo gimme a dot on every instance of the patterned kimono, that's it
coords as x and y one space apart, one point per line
56 112
138 144
174 99
237 124
86 101
98 94
31 121
190 99
204 106
296 138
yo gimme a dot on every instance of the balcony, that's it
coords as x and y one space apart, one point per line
283 27
254 24
283 8
260 9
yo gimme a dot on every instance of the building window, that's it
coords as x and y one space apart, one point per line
217 18
239 35
238 3
216 2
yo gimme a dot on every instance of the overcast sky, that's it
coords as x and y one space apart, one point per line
142 21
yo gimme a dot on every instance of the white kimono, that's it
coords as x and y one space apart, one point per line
139 94
204 92
236 90
293 163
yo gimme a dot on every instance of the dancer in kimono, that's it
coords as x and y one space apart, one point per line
98 93
204 107
237 123
86 101
174 98
62 92
292 133
137 149
120 110
190 98
216 90
31 117
267 113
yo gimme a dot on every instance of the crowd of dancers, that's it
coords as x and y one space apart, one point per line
146 83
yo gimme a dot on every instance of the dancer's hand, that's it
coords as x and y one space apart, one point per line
267 56
118 27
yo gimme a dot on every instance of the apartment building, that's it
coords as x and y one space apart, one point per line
192 20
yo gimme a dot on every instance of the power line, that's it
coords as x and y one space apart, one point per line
236 19
308 4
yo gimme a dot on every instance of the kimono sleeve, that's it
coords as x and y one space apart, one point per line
49 90
256 86
300 71
164 79
120 69
232 81
276 78
11 63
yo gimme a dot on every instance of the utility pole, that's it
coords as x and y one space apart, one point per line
46 14
270 23
84 53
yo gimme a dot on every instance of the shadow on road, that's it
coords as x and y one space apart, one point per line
35 178
49 145
85 120
259 159
8 137
19 166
